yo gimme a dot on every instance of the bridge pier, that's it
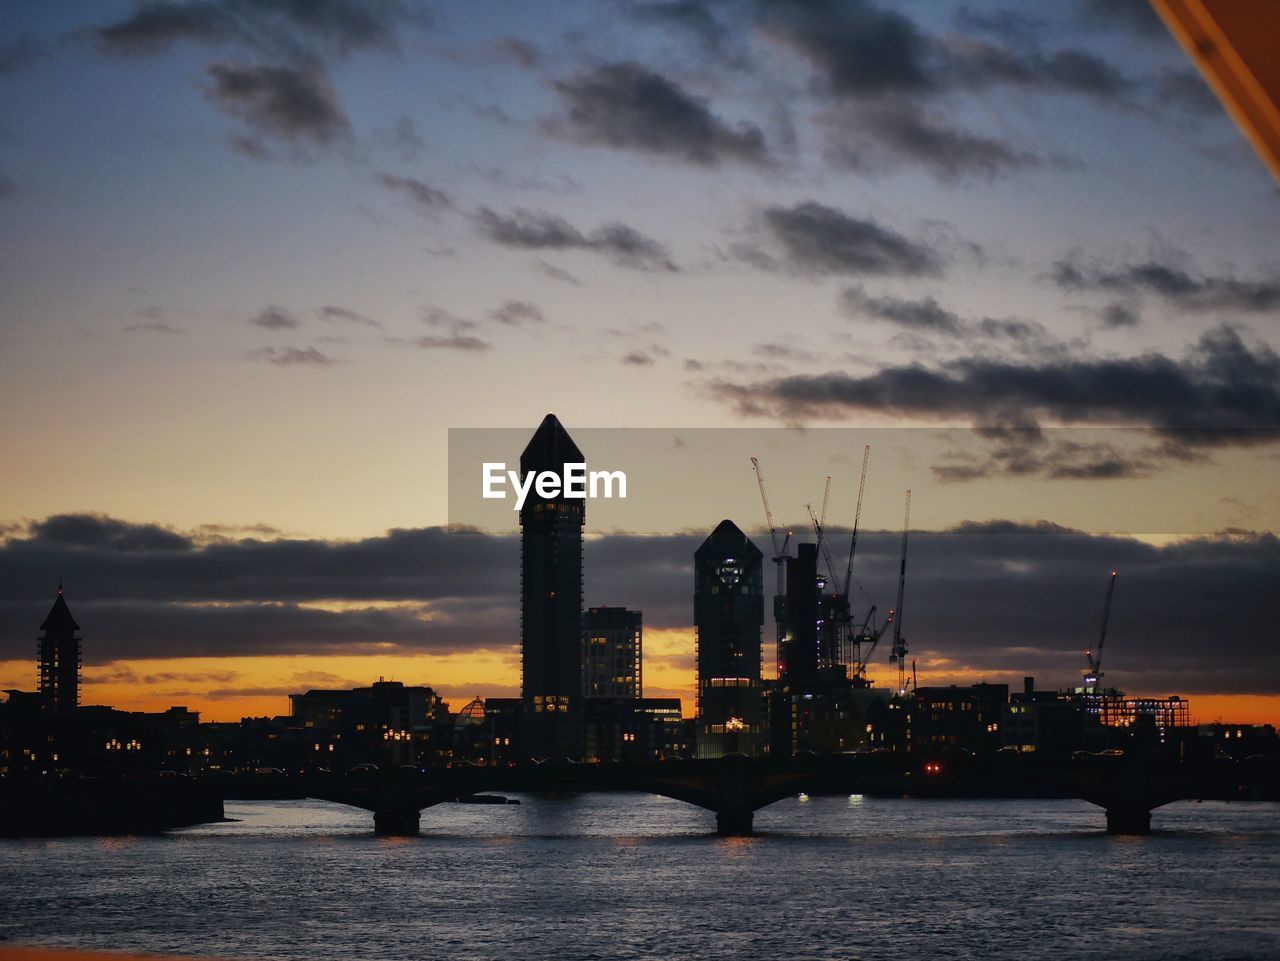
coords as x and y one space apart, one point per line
735 822
1128 819
396 822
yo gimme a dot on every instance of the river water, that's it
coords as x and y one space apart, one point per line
635 876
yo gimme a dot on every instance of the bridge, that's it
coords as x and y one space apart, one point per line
734 788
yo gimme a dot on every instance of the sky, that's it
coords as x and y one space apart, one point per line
271 266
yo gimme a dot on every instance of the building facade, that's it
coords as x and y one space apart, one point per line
612 639
551 602
58 653
728 614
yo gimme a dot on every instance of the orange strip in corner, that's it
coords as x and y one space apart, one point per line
1234 44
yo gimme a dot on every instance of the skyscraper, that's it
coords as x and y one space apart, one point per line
58 650
551 602
728 614
611 652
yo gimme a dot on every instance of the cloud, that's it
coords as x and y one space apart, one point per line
558 273
1116 316
927 314
514 313
994 596
693 17
293 357
876 137
980 65
627 106
300 31
1222 392
1136 16
19 53
810 238
154 327
298 106
1172 284
272 317
455 341
348 316
525 229
423 196
858 48
780 352
638 358
1184 87
1031 452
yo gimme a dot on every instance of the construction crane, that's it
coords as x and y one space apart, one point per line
1093 679
779 552
857 516
898 653
820 534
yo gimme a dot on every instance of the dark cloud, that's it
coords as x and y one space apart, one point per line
996 597
454 341
153 327
538 230
558 273
1223 391
638 358
1115 316
298 106
926 314
403 137
878 136
156 25
293 357
520 52
1136 16
1171 283
272 317
693 17
19 53
348 316
980 65
424 196
630 107
1185 88
780 352
1012 25
298 29
1031 452
811 238
891 85
858 48
514 313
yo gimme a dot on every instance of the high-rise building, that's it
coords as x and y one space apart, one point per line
58 651
611 652
728 614
551 601
802 617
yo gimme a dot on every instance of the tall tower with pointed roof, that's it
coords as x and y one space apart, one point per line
728 615
551 602
58 651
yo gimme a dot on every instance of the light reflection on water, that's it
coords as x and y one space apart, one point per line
633 876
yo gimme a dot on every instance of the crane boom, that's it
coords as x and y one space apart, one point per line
822 541
1095 662
768 511
826 497
857 516
898 654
